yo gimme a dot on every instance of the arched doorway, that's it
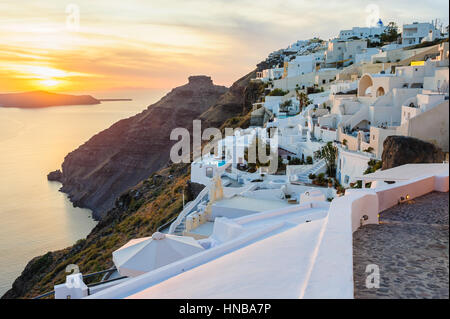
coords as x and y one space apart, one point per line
380 91
364 84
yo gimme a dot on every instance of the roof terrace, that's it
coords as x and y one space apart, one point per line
410 247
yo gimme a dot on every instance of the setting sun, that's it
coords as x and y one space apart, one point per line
44 76
49 83
48 76
45 72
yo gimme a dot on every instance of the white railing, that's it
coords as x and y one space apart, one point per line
188 209
317 166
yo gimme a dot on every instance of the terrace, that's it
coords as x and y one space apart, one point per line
410 246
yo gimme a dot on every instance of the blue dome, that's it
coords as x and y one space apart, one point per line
380 23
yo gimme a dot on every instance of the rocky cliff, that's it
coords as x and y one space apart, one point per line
236 101
400 150
139 210
96 173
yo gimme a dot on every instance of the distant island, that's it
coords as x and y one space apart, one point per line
114 100
39 99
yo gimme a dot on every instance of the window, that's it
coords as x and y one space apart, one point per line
373 137
346 179
209 172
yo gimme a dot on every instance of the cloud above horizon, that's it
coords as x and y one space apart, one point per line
158 44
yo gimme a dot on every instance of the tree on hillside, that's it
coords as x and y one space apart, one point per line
278 92
390 34
303 99
259 154
329 154
284 107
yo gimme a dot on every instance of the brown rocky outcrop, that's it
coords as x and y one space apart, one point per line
55 176
236 101
400 150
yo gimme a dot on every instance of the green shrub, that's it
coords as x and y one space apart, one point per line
295 161
278 92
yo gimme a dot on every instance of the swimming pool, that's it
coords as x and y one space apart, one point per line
284 116
222 163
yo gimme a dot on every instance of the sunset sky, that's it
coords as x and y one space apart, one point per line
158 44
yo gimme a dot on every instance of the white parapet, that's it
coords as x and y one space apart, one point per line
73 288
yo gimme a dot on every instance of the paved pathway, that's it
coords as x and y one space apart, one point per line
410 247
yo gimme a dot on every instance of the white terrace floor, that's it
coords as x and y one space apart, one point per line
249 203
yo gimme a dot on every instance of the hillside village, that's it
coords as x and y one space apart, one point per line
328 112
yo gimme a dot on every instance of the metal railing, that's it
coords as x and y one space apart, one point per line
44 295
166 224
106 281
188 209
99 272
89 285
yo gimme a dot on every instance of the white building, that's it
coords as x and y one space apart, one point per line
412 102
270 74
368 33
350 164
319 78
416 33
366 55
282 105
301 64
343 52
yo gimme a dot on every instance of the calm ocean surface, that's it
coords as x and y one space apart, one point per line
35 217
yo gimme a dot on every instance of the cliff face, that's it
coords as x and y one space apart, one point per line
236 101
96 173
400 150
138 211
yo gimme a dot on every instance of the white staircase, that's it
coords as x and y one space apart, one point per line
315 169
180 227
361 115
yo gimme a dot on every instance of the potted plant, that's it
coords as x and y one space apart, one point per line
330 183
